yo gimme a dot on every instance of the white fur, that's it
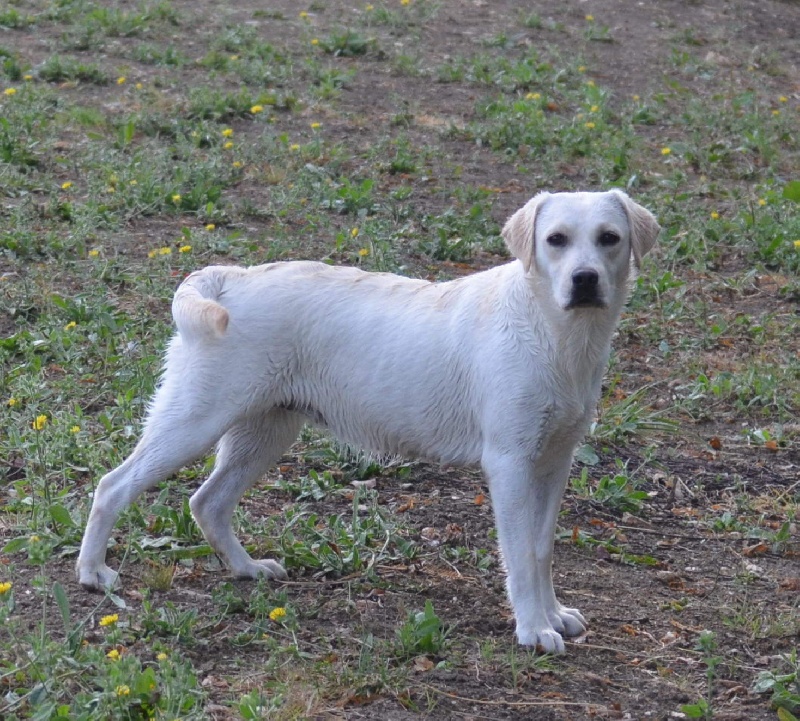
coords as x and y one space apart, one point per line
491 369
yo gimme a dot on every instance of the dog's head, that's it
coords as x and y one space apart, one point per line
581 244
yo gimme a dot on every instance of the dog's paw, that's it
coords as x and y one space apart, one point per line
569 622
546 640
266 568
97 579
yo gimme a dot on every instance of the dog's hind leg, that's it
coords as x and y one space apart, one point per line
169 442
245 453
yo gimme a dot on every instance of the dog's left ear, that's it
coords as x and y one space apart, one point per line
520 228
643 226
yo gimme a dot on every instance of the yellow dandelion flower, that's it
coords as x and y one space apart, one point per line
5 587
405 2
363 253
134 182
152 253
121 81
210 227
256 109
94 252
636 98
27 77
10 91
590 18
714 215
776 112
783 99
762 202
227 133
533 96
276 614
34 539
666 151
316 126
315 41
354 232
161 656
581 68
184 248
228 145
369 8
176 198
138 86
123 690
66 186
113 654
11 402
590 126
303 15
236 164
166 250
234 58
294 146
70 325
75 429
39 424
109 620
797 244
590 83
594 108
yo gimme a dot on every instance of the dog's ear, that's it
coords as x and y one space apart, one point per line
643 226
520 228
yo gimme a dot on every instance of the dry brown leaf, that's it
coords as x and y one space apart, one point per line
757 550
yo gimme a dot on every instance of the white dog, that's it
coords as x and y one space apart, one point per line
502 368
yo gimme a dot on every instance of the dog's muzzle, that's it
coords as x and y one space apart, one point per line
585 290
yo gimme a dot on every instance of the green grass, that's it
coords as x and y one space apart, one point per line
140 143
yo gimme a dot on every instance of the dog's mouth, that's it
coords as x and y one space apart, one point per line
585 300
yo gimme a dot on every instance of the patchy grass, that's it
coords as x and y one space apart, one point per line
140 143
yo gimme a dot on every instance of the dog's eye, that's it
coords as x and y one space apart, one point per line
608 238
557 240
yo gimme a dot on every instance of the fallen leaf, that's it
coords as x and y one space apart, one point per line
790 584
757 550
715 443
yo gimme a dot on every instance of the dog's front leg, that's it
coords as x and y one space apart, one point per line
526 497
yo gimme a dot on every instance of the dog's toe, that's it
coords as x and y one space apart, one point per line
546 640
573 621
266 568
97 580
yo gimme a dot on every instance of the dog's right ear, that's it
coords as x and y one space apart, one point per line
520 229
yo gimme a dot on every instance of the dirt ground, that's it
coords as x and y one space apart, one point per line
639 658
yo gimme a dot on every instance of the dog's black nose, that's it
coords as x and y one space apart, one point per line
585 289
585 279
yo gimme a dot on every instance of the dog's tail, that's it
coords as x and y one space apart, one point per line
195 309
